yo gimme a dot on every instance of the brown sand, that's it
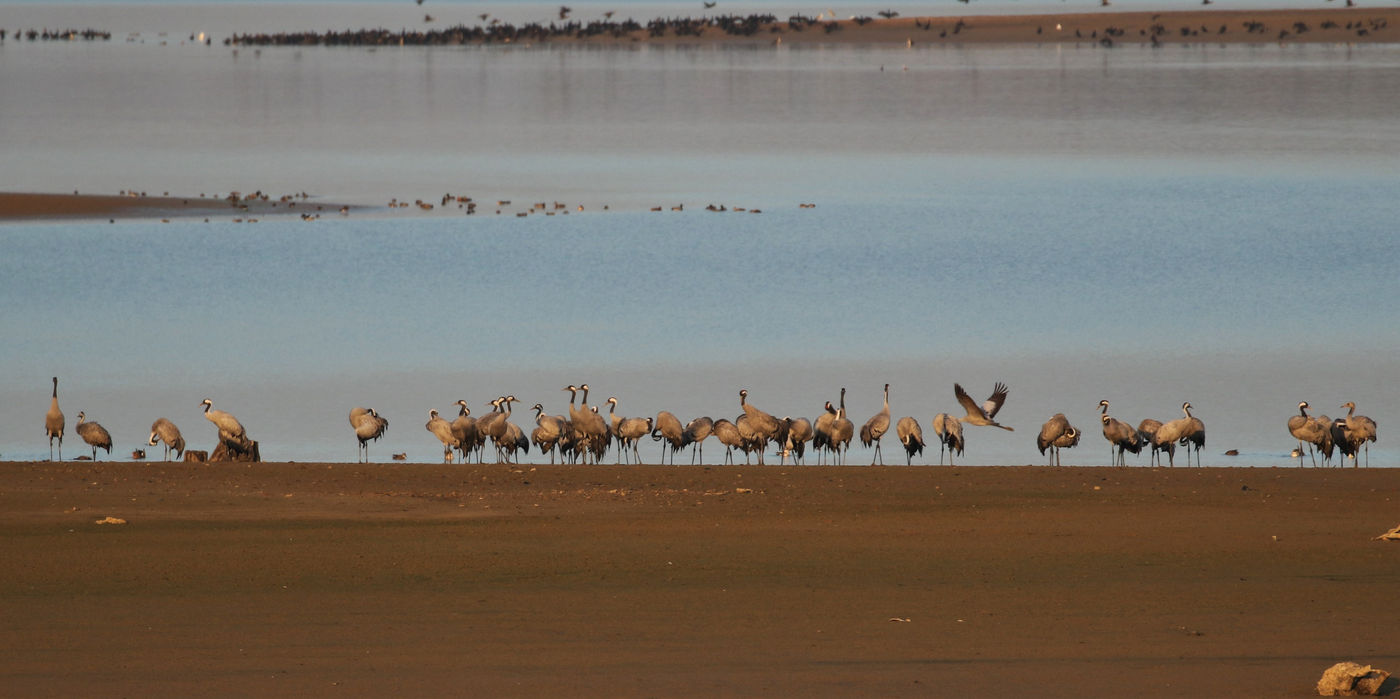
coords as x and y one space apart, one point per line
294 579
21 205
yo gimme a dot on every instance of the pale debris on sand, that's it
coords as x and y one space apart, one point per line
111 520
1392 535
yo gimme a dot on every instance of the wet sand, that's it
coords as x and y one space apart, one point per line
293 579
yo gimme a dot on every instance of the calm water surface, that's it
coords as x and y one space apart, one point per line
1212 224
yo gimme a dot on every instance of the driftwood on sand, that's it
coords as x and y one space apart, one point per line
226 452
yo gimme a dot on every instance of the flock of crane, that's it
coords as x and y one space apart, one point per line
585 435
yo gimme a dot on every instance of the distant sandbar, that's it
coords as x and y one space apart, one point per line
1107 27
25 205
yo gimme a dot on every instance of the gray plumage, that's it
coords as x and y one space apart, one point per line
94 434
911 436
728 434
875 428
1122 437
507 436
163 430
1359 432
490 426
842 430
950 436
368 426
749 439
799 433
1195 439
1054 435
441 429
1306 429
549 430
668 427
591 429
695 433
628 431
464 429
231 431
1326 446
54 423
1172 432
765 426
513 442
821 430
1067 440
1147 434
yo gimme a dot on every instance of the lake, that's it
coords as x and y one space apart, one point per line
1212 224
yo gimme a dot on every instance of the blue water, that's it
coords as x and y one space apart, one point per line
1152 227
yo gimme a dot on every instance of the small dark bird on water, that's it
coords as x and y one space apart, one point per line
708 5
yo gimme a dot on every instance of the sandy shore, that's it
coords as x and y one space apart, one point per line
24 205
294 579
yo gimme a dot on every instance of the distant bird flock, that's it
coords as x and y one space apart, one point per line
585 436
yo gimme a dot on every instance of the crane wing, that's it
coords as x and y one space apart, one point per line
967 402
994 403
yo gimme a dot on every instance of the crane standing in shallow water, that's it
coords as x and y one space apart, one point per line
1305 428
1359 431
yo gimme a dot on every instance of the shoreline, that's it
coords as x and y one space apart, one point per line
288 579
33 206
1109 27
1106 30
